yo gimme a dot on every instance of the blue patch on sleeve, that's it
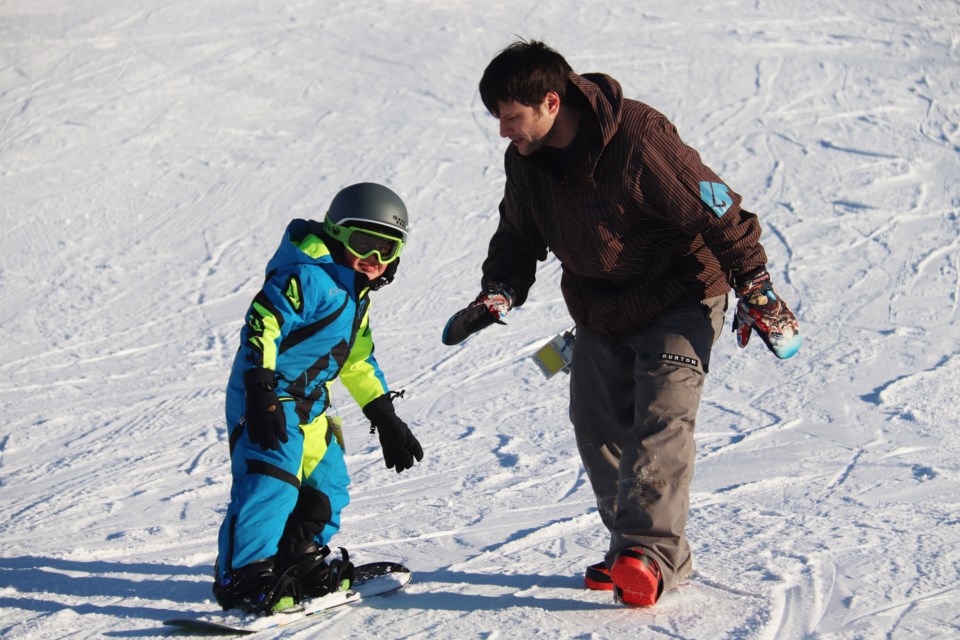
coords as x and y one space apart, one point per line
716 195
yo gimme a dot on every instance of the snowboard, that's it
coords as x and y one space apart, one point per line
370 580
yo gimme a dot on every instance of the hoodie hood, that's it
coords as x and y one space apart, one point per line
601 98
605 97
303 243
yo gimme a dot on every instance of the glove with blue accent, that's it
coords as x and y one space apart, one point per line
760 309
490 307
265 420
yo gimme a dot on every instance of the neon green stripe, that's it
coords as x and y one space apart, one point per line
313 246
292 293
269 338
284 603
314 444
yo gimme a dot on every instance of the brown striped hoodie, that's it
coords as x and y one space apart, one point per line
638 222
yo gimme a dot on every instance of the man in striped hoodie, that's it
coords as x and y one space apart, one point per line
651 241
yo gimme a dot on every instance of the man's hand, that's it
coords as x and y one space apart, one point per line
760 309
490 307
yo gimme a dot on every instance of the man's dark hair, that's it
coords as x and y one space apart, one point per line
523 72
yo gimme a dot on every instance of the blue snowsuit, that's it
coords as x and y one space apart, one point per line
308 324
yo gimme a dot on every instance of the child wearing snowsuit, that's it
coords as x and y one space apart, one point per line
308 325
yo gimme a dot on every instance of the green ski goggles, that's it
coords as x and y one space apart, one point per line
364 243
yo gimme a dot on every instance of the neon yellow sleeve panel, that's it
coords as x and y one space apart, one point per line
361 374
269 338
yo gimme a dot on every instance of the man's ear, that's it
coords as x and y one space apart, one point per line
552 102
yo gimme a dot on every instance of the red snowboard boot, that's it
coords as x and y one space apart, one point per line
636 578
597 577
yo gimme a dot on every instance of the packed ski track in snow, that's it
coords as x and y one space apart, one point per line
152 153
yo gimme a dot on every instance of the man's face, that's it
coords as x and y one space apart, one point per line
527 127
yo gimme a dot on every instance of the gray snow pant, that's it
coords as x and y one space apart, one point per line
633 404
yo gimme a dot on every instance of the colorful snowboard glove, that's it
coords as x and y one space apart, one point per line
490 307
399 445
265 420
760 309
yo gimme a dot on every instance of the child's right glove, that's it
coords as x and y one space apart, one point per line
760 309
399 445
266 422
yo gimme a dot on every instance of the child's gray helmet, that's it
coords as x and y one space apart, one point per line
369 203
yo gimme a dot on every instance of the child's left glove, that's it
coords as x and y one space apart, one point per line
399 445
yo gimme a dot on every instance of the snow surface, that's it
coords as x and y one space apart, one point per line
152 152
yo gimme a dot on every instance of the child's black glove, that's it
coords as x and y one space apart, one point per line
266 423
400 446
